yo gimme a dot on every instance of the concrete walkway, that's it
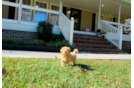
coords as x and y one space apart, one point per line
38 54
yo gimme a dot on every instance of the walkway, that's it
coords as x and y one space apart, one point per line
38 54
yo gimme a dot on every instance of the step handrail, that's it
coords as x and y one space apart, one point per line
66 26
109 25
113 34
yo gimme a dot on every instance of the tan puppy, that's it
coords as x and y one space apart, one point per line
68 56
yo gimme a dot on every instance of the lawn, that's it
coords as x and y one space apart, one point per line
47 73
130 1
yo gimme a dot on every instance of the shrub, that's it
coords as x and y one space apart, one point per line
44 31
98 30
37 42
56 37
8 40
73 46
19 41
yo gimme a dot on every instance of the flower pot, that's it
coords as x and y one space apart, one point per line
98 33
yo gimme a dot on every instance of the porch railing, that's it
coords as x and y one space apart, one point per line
113 34
66 26
126 28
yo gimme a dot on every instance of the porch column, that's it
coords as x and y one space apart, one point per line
60 8
71 31
119 14
99 13
20 10
120 30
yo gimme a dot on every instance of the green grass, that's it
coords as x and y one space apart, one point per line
129 1
45 73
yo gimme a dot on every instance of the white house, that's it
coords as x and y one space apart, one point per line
20 18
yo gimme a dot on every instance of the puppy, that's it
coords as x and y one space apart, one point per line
68 56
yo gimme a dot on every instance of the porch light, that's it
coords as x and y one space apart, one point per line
68 11
102 5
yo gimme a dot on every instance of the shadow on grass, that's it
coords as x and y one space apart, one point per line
86 67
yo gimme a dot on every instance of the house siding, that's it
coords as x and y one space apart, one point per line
86 20
5 10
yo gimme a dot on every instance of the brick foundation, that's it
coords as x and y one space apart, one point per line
18 34
126 46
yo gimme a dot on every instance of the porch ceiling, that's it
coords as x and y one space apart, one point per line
93 5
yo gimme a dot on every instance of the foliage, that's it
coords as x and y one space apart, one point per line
57 43
56 37
98 30
8 40
48 73
44 31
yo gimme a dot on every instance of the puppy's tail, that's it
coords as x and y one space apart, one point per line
75 51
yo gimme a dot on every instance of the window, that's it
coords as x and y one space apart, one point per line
56 8
53 7
27 2
109 19
26 15
53 18
39 15
101 17
41 5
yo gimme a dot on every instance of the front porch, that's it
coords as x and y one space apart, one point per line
27 13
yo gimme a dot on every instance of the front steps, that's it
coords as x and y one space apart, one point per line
94 44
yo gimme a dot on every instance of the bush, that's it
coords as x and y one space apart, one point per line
8 40
56 37
98 30
37 42
44 31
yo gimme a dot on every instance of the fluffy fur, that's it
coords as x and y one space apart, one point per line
68 56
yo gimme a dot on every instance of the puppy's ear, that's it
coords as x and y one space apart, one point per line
69 49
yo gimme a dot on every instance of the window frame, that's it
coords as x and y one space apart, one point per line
39 7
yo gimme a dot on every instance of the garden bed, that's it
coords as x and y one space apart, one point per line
30 47
34 45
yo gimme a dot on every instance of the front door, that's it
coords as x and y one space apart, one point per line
11 13
64 10
77 18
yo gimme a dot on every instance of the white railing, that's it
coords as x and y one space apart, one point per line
124 27
66 26
113 34
20 16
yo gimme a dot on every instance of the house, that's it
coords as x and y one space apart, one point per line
73 18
